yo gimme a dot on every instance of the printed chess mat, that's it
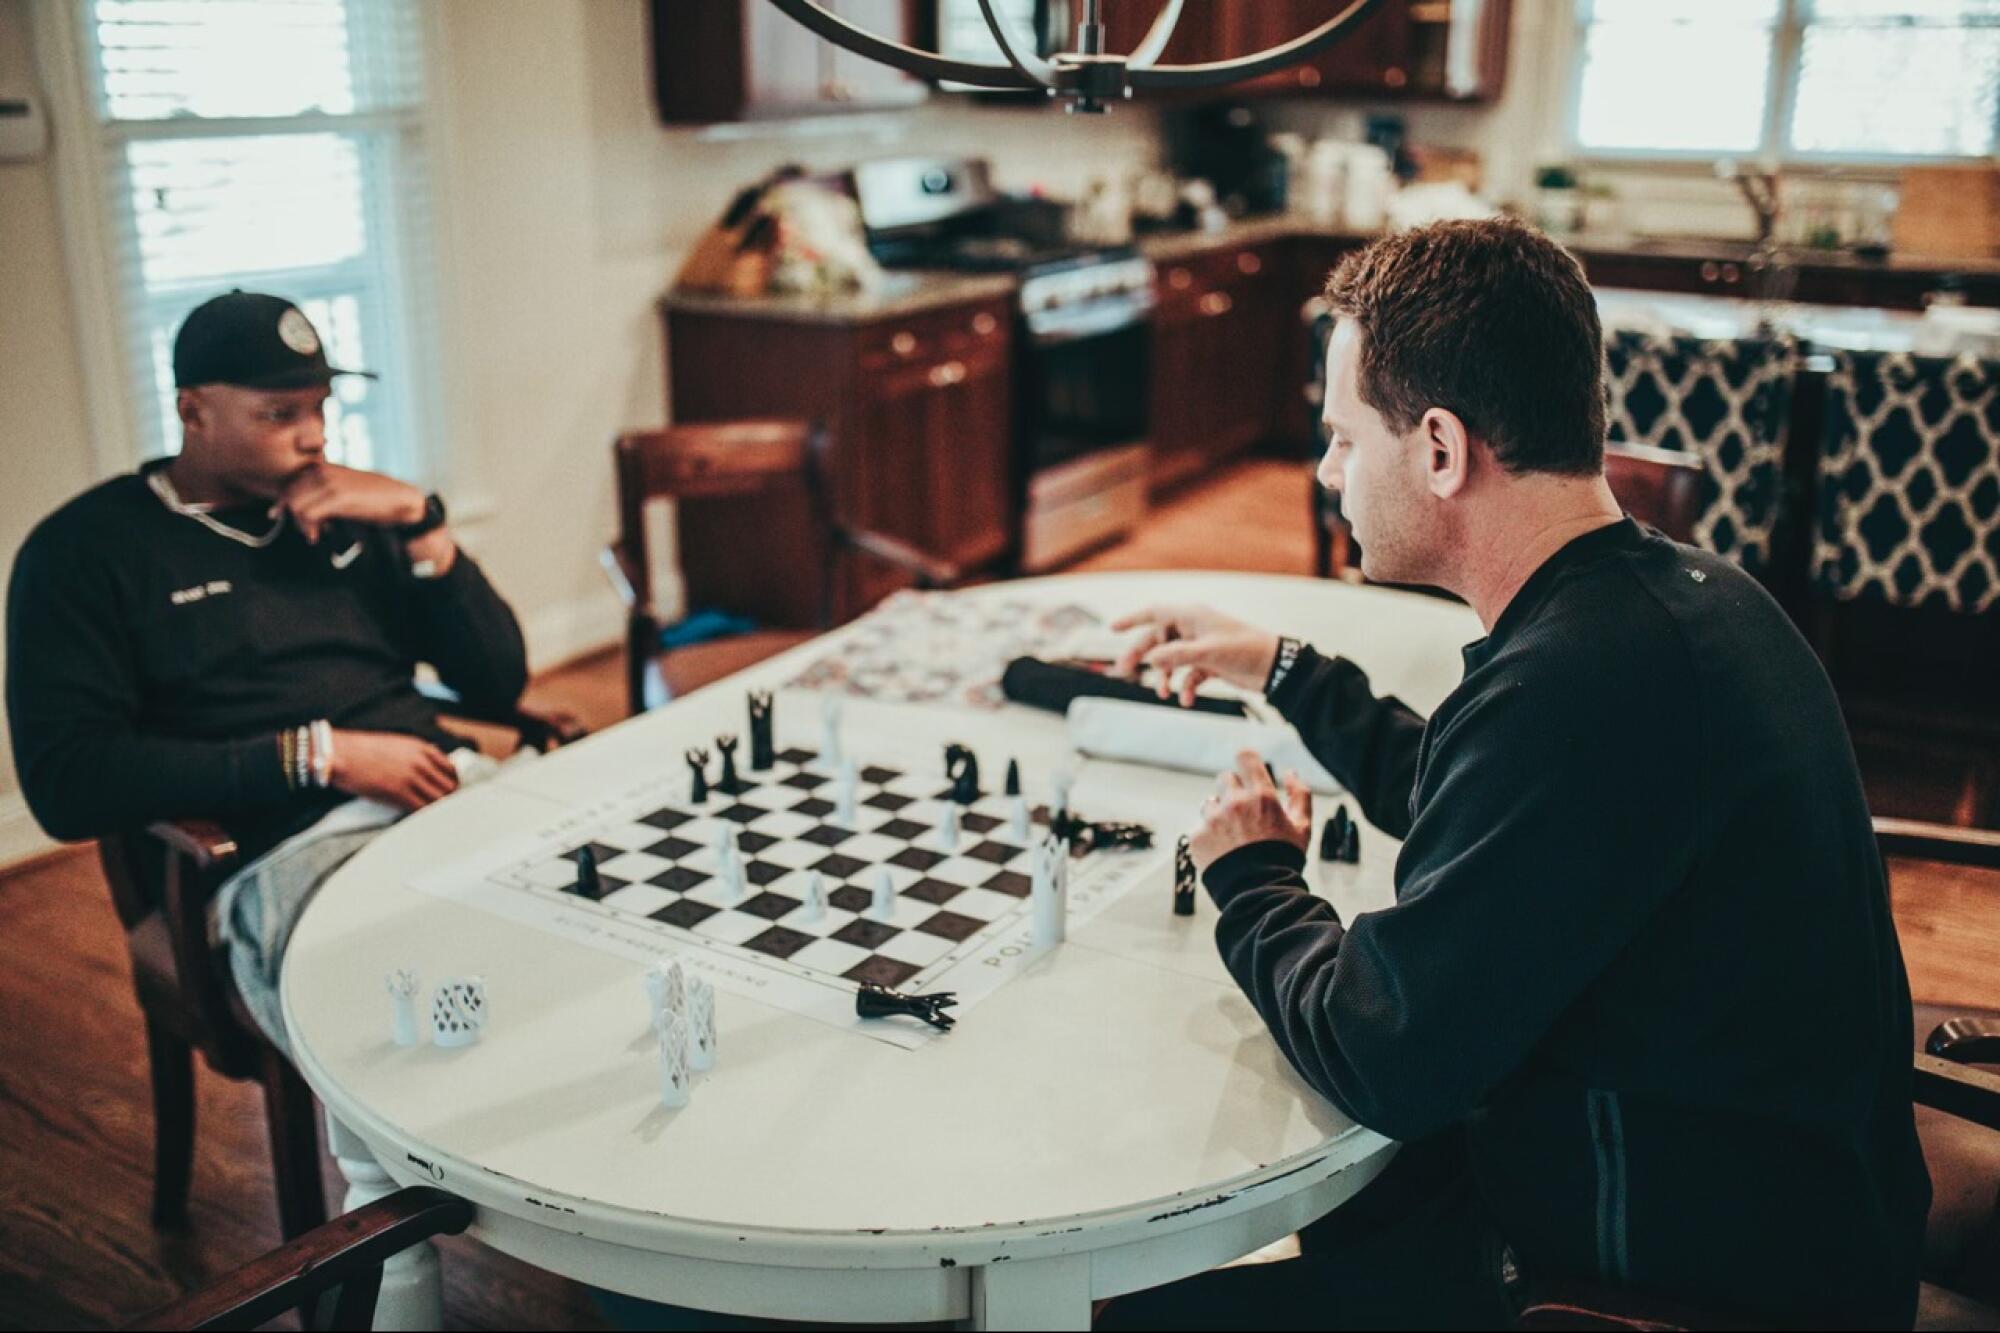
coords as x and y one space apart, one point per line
961 918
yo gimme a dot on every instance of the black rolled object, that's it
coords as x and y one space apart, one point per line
1049 685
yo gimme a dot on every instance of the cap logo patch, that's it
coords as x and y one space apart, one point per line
297 332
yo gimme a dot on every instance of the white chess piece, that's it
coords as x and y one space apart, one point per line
815 908
829 729
1061 782
1049 897
732 878
948 831
846 790
701 1025
1020 823
458 1011
666 984
883 906
676 1078
402 985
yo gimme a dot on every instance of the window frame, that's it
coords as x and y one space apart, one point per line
1773 149
111 338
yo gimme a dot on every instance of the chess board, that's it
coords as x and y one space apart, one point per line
961 919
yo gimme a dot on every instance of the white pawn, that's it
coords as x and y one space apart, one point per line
732 877
948 831
701 1025
846 791
1019 822
676 1079
1048 896
829 730
883 906
402 985
815 908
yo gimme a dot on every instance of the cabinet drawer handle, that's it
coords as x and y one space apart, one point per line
1731 274
983 324
1179 279
1395 77
904 343
1249 263
950 373
1709 272
1217 303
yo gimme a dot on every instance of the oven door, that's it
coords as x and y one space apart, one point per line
1084 386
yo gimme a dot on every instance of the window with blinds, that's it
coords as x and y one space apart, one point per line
1799 79
276 146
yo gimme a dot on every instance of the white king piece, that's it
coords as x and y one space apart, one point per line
458 1011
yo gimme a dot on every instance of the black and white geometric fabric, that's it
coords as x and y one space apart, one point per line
1909 481
1726 400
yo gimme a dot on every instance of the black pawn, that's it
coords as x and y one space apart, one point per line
1334 833
588 883
1183 879
763 752
729 782
1013 777
1350 846
697 776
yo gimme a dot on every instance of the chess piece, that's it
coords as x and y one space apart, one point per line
829 730
948 831
845 791
873 1001
666 985
961 765
676 1077
402 985
1334 832
588 884
882 906
815 906
1049 896
730 783
1350 845
1059 784
697 776
1020 824
1013 777
458 1011
732 873
1183 879
763 752
701 1025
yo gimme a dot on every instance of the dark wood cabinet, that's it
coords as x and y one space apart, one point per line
723 60
921 413
1218 348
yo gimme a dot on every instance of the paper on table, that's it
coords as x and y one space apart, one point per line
1187 742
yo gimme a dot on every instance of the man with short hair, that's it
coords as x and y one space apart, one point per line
231 633
1638 1014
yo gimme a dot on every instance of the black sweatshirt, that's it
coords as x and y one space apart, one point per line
151 662
1641 955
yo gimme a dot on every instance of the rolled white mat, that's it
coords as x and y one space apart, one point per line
1188 742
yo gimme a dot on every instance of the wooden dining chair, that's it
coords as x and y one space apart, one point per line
771 477
162 879
1659 487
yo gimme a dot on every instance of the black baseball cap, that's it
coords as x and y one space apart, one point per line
254 342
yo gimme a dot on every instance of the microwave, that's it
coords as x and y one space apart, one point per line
962 33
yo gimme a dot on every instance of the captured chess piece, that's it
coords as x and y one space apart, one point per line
458 1011
1350 846
588 882
402 985
1340 837
873 1001
1183 879
697 776
729 784
763 752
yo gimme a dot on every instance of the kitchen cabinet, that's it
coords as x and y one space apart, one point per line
920 412
723 60
1218 351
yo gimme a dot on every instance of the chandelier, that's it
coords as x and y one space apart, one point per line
1089 77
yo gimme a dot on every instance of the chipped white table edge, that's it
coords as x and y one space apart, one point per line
1036 1274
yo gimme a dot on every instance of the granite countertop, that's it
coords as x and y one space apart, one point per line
903 293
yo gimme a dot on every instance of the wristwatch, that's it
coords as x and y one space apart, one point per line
432 520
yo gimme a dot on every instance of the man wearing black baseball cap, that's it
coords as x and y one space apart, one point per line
231 633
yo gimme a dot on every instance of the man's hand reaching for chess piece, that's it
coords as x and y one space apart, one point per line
1196 644
404 771
1249 809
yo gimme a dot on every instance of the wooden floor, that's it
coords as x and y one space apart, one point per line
76 1247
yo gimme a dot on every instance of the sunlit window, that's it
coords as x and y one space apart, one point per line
272 145
1790 78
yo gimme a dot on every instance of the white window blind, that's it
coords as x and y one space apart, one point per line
1797 79
273 145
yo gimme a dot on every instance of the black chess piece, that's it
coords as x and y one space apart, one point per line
588 883
1350 845
1013 777
1183 879
873 1001
763 753
697 775
729 782
961 765
1333 834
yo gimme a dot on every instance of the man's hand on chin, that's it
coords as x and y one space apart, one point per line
327 491
1251 809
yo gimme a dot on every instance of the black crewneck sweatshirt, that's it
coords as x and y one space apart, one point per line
1641 957
151 661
